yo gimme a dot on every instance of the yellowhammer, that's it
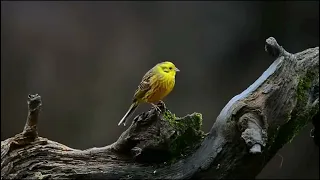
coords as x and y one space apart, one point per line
156 84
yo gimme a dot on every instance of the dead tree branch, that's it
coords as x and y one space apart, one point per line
248 132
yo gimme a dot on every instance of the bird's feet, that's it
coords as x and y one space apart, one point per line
162 105
156 107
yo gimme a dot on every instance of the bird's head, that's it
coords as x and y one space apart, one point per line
167 68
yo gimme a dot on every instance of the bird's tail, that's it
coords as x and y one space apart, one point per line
129 113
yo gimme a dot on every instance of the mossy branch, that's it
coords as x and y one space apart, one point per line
248 132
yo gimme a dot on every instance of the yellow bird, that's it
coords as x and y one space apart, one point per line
156 84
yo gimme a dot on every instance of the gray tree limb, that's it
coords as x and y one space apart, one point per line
248 132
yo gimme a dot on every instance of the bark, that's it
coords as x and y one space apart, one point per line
248 132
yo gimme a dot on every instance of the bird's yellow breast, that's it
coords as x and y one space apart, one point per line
161 86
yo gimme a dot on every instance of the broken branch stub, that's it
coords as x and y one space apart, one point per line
34 107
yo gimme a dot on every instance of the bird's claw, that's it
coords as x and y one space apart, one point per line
162 105
156 107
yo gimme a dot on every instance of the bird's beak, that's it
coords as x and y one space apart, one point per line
177 70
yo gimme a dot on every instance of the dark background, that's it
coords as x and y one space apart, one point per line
86 59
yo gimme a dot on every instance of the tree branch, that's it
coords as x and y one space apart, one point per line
248 132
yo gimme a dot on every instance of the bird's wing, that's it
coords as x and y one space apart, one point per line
144 85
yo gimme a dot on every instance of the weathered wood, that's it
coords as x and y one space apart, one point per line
248 132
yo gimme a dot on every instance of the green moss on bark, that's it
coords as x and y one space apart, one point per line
187 133
298 118
304 85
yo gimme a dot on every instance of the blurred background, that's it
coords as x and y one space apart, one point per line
86 59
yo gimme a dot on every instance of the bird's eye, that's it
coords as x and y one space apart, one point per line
170 68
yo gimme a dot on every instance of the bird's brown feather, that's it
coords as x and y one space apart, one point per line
144 86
